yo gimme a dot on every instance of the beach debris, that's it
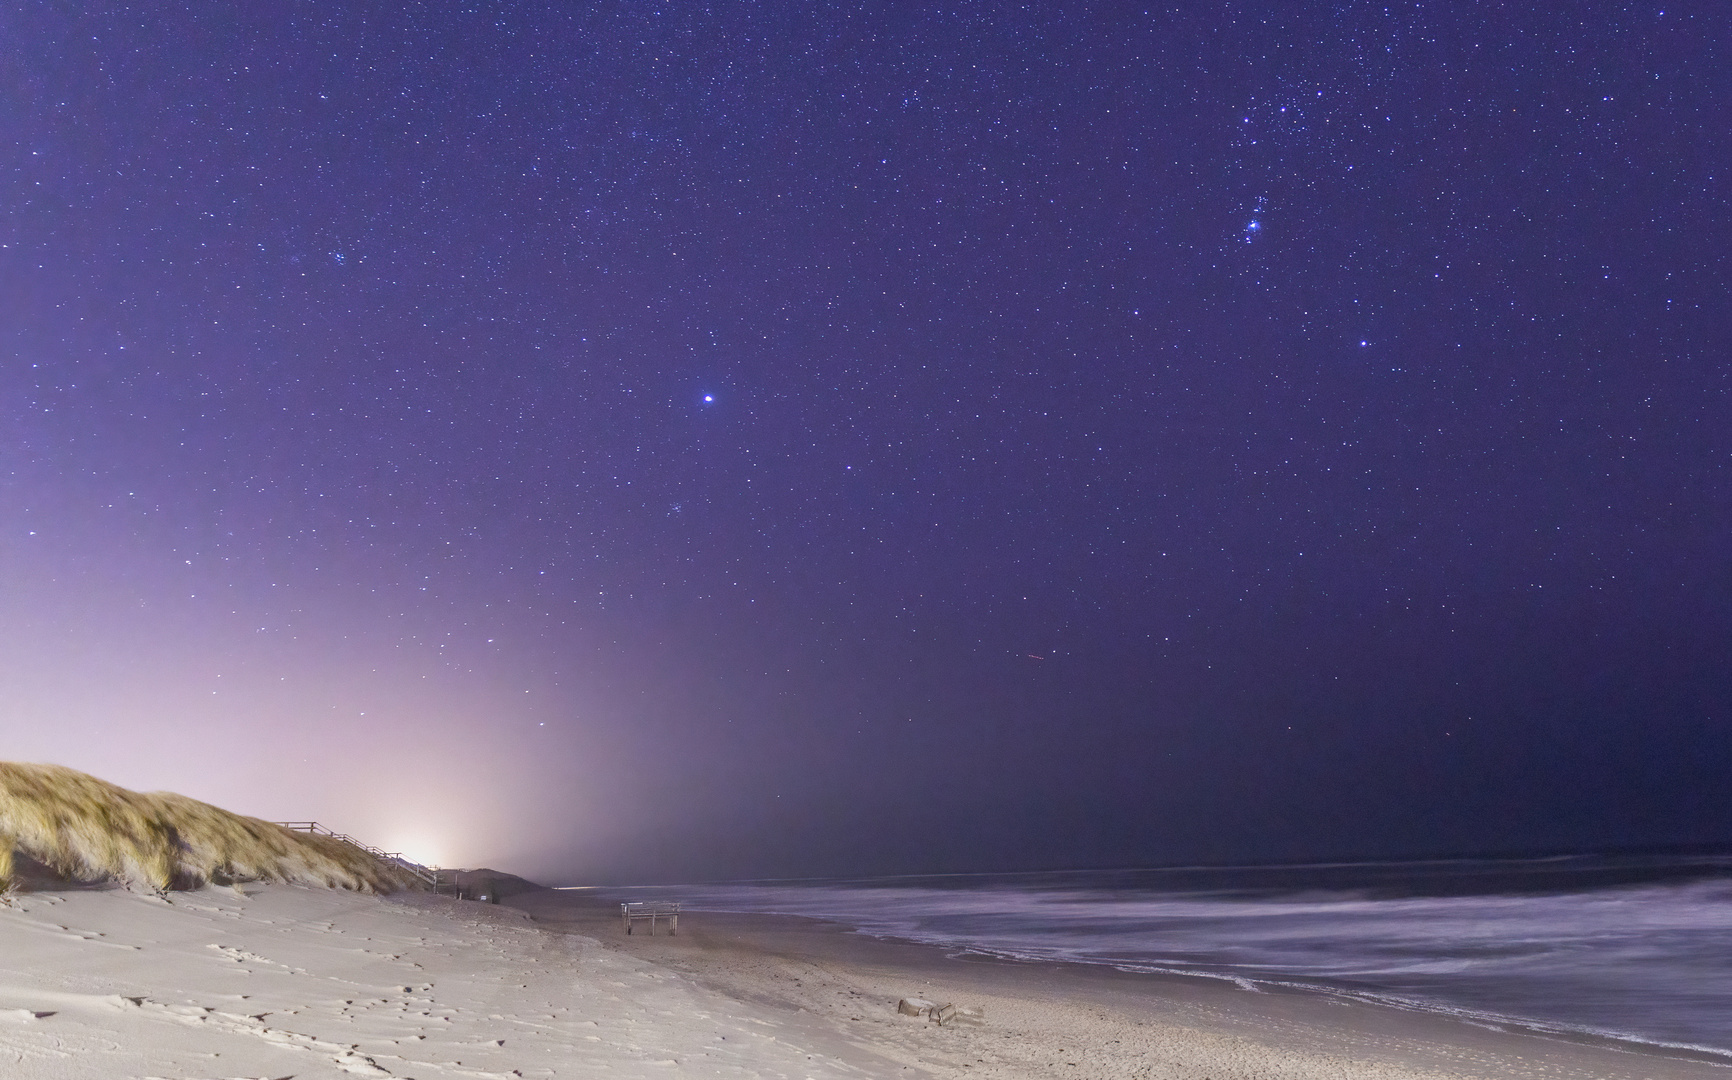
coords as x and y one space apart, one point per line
941 1015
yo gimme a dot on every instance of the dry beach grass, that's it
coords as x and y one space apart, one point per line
87 829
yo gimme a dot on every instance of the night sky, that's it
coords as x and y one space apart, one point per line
675 441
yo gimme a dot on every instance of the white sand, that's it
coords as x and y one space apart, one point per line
291 981
296 982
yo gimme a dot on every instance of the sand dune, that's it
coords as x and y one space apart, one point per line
83 828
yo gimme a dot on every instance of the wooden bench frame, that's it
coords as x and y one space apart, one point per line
652 910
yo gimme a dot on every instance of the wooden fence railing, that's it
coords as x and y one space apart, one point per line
439 879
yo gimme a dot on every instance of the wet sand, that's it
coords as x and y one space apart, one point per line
837 992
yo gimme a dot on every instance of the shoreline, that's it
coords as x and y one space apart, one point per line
281 980
1045 1018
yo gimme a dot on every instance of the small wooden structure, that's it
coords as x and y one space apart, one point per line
632 911
441 880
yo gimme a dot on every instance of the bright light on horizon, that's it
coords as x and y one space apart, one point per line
423 850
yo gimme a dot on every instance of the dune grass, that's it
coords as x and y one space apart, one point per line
91 830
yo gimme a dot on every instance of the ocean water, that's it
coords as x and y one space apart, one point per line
1636 948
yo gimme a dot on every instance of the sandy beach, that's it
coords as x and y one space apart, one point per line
1055 1020
285 981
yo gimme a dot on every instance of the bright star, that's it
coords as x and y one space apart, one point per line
709 398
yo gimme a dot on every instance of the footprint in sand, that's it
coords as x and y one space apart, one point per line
346 1058
241 956
89 937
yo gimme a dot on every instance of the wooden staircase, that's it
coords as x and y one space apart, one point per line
438 879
